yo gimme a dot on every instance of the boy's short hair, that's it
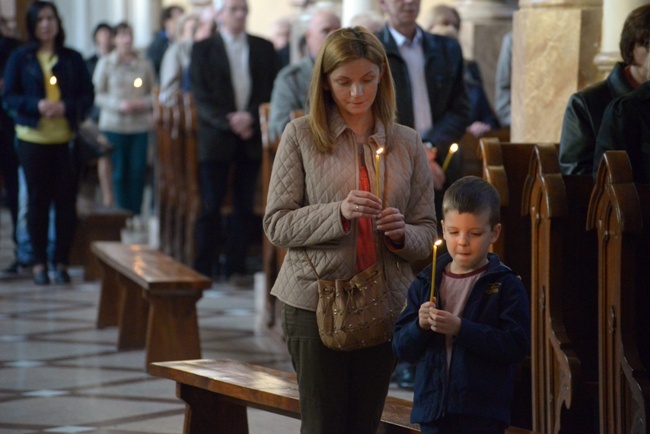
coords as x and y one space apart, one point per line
474 195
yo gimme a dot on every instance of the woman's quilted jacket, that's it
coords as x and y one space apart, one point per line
303 207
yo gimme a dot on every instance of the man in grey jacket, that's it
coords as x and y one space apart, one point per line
292 83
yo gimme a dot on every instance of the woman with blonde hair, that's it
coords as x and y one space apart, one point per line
323 207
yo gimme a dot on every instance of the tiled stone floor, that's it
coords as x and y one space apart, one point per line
60 374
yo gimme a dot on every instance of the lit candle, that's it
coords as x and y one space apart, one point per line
137 83
378 168
433 270
452 150
53 80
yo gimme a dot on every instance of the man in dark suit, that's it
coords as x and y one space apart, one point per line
428 71
231 73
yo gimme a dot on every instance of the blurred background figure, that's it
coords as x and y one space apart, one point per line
292 83
445 21
123 83
280 36
164 37
103 39
8 157
585 110
371 20
232 73
626 122
177 59
48 92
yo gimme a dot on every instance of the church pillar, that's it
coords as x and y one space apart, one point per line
484 23
352 8
554 45
614 14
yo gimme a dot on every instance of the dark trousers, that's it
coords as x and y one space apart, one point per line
341 392
213 185
50 179
129 159
9 169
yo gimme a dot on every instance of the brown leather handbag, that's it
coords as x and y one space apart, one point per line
355 313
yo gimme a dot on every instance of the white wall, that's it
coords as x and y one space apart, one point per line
81 16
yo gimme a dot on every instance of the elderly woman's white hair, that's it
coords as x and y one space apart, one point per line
182 20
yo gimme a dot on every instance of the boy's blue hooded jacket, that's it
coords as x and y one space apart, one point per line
494 336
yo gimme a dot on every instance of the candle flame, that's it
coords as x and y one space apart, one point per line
453 148
53 80
137 82
438 242
380 150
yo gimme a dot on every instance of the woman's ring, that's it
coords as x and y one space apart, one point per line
357 208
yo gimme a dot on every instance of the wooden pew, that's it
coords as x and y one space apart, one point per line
620 212
217 393
471 161
95 224
163 163
270 254
505 165
177 205
564 297
192 201
152 298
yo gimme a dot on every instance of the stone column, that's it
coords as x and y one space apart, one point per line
484 23
614 14
352 8
145 19
554 45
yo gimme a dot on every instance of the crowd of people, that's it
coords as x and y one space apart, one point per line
357 182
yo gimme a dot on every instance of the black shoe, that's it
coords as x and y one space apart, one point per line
41 278
406 378
61 276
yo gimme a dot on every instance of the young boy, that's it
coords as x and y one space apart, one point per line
468 340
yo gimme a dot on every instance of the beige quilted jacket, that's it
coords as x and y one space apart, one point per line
303 208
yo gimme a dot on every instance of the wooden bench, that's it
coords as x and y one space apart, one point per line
564 301
620 212
217 393
152 299
505 166
95 224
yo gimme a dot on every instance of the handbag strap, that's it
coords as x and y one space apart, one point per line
310 264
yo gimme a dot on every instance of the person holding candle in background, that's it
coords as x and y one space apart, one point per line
322 205
123 83
47 92
466 341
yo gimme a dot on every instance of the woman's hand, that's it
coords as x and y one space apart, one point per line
51 109
391 223
361 204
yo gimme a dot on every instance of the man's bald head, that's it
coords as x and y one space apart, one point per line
321 24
